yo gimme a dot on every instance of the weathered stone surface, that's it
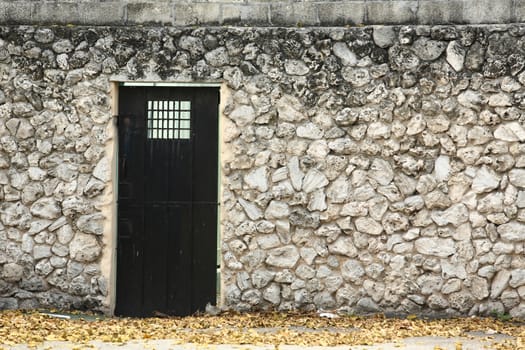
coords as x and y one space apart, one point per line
277 210
518 311
243 115
416 125
510 132
517 177
449 270
314 180
273 294
289 109
377 207
218 57
44 35
41 251
367 305
451 286
66 172
261 278
343 246
258 179
510 298
84 248
310 131
470 99
429 50
8 304
479 135
500 100
347 57
440 247
76 205
46 208
295 67
357 77
517 278
64 234
513 231
437 302
192 44
93 224
455 215
442 168
352 270
12 272
296 175
102 170
456 55
317 201
384 36
283 257
485 180
402 59
381 171
251 209
368 225
63 46
462 301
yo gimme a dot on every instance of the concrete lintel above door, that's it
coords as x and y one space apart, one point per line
169 84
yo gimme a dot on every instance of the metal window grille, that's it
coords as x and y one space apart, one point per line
169 120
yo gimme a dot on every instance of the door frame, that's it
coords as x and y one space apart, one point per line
109 258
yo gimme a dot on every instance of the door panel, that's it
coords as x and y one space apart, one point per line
167 209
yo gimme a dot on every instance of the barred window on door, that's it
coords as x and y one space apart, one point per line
169 120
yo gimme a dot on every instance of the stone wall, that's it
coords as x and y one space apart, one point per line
294 13
375 170
54 172
363 169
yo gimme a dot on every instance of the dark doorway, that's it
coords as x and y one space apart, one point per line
167 200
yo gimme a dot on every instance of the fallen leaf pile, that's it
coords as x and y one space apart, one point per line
18 327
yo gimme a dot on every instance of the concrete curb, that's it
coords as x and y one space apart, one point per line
478 340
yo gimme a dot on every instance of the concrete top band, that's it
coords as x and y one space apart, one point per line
262 12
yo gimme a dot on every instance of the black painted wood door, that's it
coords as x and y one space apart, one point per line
167 200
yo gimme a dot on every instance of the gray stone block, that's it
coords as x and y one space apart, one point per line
487 11
181 15
103 13
234 2
55 13
262 12
341 13
440 12
264 1
8 304
197 13
519 11
294 14
158 12
139 1
234 14
395 12
14 12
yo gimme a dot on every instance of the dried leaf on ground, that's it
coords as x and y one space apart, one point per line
248 328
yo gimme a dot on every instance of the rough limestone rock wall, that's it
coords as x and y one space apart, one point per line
366 169
54 126
375 169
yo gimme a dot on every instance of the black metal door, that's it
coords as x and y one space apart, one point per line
167 200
